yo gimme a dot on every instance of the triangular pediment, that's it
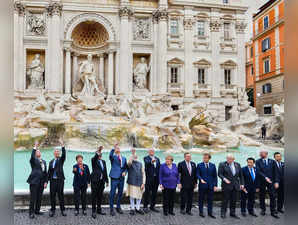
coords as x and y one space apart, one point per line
229 63
202 62
175 61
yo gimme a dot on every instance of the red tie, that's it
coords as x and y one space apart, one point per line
188 169
119 157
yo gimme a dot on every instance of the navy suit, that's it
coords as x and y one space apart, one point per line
38 177
269 171
152 180
280 191
209 175
250 184
117 180
81 180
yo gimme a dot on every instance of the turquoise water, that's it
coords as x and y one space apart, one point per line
22 166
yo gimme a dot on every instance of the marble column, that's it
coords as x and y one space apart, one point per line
216 72
162 51
117 73
101 68
111 73
74 68
154 70
54 11
239 76
188 56
67 84
125 49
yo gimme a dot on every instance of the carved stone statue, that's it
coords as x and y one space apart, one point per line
88 77
35 72
140 74
36 25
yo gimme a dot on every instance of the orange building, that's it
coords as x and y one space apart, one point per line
265 57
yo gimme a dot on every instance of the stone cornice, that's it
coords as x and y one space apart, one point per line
19 8
54 9
160 14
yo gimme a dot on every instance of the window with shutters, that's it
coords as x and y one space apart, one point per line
201 76
266 65
225 1
252 70
266 22
201 28
227 77
174 75
267 109
267 88
265 44
251 52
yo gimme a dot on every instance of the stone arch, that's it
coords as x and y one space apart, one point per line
76 20
202 63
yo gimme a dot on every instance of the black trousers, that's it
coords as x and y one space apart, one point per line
247 201
97 189
151 191
36 191
168 195
280 196
186 195
264 187
80 193
229 197
57 188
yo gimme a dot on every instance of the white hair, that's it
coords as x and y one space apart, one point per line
264 150
230 155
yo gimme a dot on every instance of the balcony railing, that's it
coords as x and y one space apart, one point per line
230 89
202 89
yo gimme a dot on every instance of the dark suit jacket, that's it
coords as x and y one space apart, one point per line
187 180
149 169
97 171
37 175
280 171
267 171
58 167
224 171
249 184
78 179
117 169
209 176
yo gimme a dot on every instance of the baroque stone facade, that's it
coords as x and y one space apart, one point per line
186 50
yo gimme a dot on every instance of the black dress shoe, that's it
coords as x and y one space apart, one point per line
94 215
140 211
112 213
253 214
38 213
243 214
263 213
182 211
146 210
280 211
223 216
63 213
165 213
119 210
154 209
235 216
275 215
172 213
132 212
212 216
189 213
100 212
202 215
52 213
31 216
84 212
76 212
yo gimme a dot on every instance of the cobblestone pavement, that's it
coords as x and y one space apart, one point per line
21 218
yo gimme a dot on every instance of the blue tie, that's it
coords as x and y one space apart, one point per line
54 174
252 174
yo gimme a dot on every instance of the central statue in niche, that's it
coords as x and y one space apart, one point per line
88 77
140 74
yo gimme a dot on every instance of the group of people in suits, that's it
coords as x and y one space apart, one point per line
264 175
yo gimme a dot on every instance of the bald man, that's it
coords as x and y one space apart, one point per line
232 182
